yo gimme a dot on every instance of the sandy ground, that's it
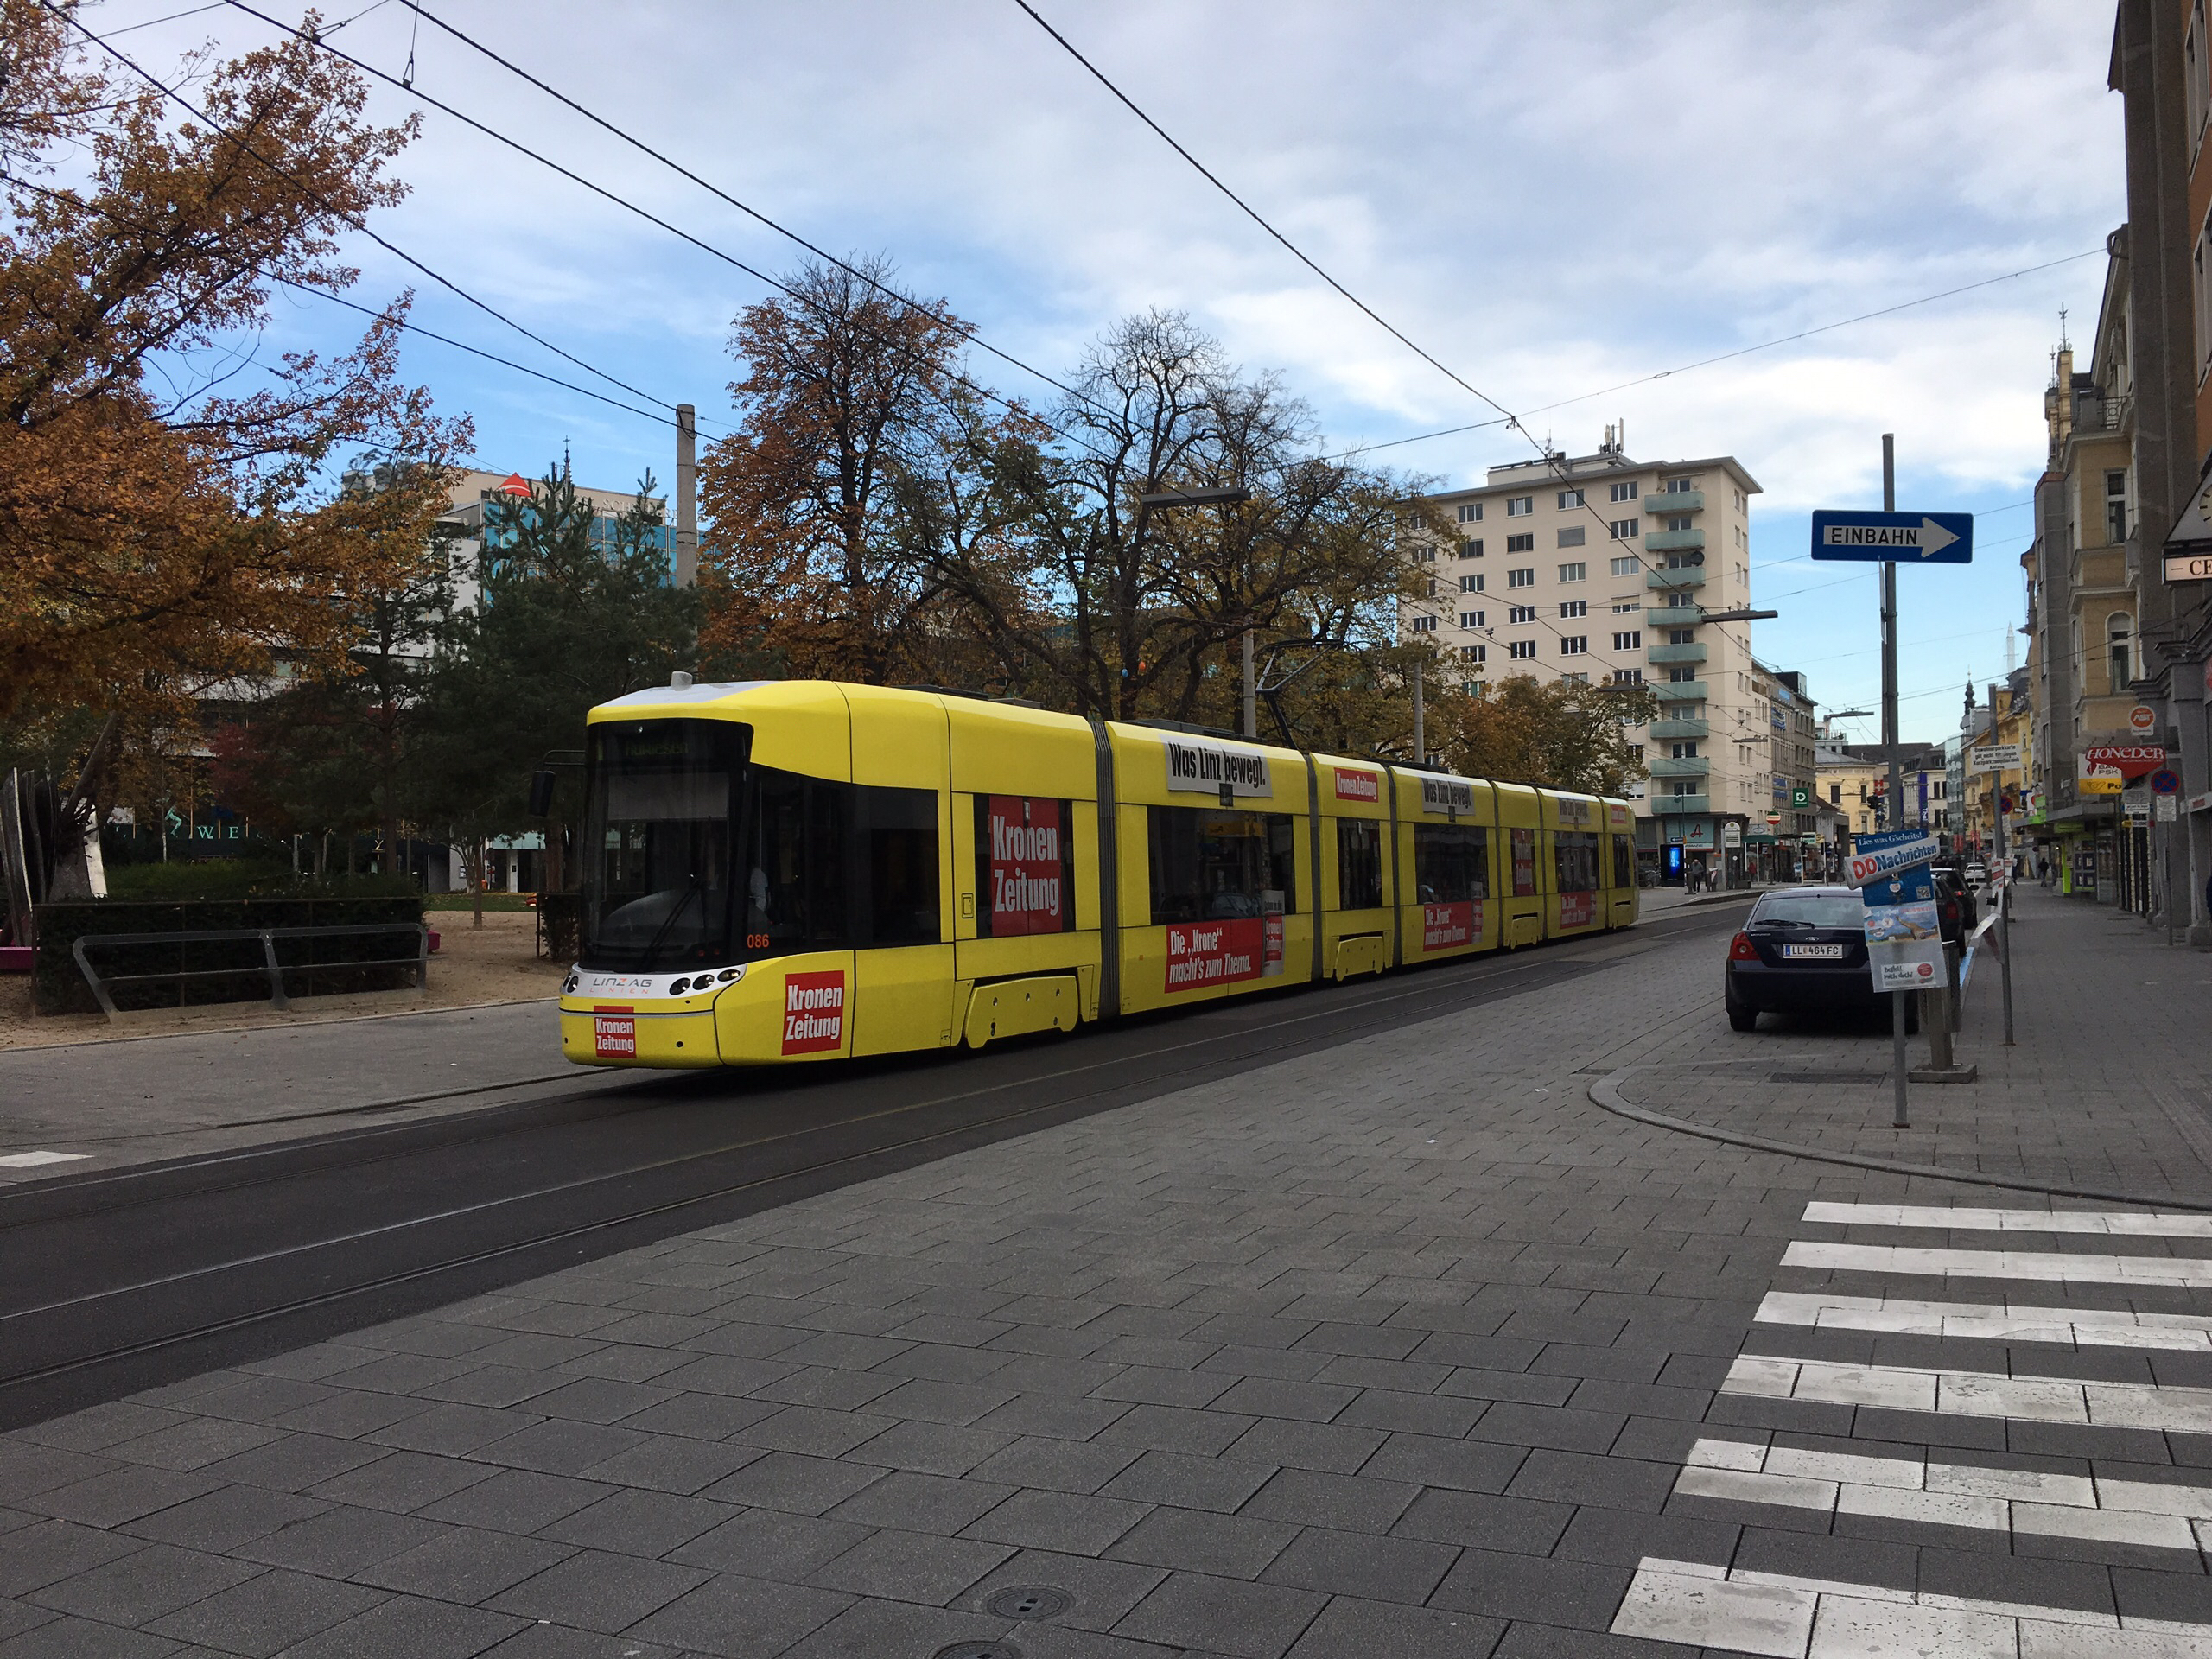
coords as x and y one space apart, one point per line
470 969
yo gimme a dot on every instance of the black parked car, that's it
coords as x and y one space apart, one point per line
1955 906
1803 951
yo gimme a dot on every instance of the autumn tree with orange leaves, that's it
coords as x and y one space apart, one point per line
161 529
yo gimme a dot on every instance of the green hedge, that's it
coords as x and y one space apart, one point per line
312 967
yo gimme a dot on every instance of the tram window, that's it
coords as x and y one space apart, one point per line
1623 862
795 880
1025 866
1524 863
1359 864
1574 861
1207 863
657 844
1451 862
902 866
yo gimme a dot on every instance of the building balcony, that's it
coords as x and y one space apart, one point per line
1675 580
1692 765
1677 653
1667 502
1672 616
1673 541
1667 729
1663 804
1678 690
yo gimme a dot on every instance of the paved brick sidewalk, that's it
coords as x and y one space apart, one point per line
1395 1349
2108 1084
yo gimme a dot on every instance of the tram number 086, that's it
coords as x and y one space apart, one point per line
756 941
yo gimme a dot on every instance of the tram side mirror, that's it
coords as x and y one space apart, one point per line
540 794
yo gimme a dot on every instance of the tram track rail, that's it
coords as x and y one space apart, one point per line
78 1326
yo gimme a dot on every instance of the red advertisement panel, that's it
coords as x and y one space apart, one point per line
1026 866
1446 926
814 1012
1576 909
1524 863
1200 954
614 1033
1353 784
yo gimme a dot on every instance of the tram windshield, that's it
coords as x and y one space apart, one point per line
656 843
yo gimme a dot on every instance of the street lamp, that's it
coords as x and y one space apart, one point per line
1225 495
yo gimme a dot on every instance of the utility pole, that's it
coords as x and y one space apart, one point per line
1251 691
1420 736
1900 1117
687 496
2004 900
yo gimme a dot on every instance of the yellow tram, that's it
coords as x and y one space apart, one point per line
804 870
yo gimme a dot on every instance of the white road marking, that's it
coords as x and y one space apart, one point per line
1974 1394
33 1159
2013 1500
1989 1321
1790 1617
2123 1224
2191 1272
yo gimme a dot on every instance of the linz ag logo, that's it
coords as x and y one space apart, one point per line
814 1012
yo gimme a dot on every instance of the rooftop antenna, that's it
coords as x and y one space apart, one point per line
2064 344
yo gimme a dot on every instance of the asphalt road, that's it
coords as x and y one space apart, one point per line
113 1283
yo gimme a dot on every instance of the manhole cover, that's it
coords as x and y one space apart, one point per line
1027 1601
1828 1076
978 1651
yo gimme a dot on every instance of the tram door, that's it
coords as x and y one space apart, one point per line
901 852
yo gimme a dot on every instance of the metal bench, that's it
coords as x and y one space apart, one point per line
102 985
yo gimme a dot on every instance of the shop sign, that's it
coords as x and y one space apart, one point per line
1698 833
2188 567
1732 834
1443 926
1200 954
2094 776
2143 720
814 1012
1216 769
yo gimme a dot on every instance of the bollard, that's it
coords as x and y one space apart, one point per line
1939 1016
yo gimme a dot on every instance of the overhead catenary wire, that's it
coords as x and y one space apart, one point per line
356 223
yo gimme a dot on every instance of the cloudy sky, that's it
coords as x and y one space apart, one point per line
1552 198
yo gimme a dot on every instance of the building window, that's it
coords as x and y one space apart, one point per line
1626 529
1573 645
1572 537
1424 553
1681 675
1685 750
1624 491
1628 677
1574 572
1575 679
1424 625
2116 507
1520 506
1428 589
1521 650
1632 640
1471 619
1627 607
1679 486
1626 567
1693 560
1471 550
1473 584
2119 628
1521 578
1680 522
1520 543
1575 608
2196 84
1475 653
1569 498
1518 613
1471 512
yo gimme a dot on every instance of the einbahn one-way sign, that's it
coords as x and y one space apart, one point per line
1895 537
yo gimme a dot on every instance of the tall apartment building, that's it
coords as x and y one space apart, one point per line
471 516
1602 568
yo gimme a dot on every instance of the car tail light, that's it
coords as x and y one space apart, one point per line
1742 949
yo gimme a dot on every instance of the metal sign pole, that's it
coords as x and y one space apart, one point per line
2004 904
1900 1117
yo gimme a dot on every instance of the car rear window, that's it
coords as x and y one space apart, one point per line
1811 909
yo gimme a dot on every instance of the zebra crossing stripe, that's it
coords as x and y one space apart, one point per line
2192 1273
1990 1322
1974 1394
2021 1502
1790 1617
2118 1224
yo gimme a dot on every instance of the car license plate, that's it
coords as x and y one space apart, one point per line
1822 952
